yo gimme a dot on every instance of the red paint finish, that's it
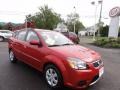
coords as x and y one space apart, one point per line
39 55
72 36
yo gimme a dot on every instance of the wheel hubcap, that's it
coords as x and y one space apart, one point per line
11 56
51 77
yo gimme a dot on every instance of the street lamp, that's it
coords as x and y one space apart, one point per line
95 3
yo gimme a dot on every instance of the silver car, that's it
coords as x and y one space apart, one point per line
5 34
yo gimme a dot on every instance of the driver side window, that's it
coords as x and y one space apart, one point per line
32 36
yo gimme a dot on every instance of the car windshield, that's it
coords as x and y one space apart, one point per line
55 39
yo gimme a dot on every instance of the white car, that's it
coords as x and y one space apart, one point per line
5 34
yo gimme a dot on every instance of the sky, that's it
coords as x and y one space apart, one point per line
16 10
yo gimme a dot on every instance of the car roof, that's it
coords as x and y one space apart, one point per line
4 30
35 29
42 30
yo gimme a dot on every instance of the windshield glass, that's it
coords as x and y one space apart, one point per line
55 39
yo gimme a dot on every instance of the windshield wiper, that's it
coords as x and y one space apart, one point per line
67 44
53 45
61 45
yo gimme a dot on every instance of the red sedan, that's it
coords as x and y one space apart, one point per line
72 36
62 62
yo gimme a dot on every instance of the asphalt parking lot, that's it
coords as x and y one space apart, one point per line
20 76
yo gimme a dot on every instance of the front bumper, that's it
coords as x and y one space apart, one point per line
84 78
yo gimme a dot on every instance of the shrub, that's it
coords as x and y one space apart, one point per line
108 42
101 41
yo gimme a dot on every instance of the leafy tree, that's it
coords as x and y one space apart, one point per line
74 18
104 31
8 26
1 27
46 18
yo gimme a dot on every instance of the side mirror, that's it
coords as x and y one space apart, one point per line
35 42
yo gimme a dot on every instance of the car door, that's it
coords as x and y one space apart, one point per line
19 45
35 53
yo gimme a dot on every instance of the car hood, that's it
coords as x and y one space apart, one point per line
77 51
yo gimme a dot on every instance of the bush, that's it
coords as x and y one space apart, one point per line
108 42
101 41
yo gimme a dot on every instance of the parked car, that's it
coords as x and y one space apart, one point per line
72 36
5 34
62 62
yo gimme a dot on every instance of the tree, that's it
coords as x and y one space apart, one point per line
1 27
46 18
8 26
104 31
74 18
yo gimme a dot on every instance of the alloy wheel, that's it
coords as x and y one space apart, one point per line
11 56
52 77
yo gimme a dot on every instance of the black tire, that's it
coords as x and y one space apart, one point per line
12 57
1 39
59 84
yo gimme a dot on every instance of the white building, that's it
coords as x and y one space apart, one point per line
88 31
91 30
82 33
61 28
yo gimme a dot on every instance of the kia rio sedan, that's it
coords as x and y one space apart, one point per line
62 62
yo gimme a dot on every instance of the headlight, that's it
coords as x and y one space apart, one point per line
77 63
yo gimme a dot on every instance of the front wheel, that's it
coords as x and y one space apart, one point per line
53 77
12 57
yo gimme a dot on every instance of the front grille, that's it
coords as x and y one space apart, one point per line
97 63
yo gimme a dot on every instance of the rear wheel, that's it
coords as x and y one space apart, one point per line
12 57
53 77
1 39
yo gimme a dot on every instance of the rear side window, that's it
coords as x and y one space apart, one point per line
72 34
21 35
65 33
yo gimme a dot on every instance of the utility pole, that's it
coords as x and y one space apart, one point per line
74 18
93 3
99 23
26 23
